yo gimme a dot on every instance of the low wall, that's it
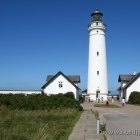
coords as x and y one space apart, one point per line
20 91
112 98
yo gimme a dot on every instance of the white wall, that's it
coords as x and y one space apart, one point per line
93 97
20 91
76 83
123 83
97 62
120 95
53 87
135 86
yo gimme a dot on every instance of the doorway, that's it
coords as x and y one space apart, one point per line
98 96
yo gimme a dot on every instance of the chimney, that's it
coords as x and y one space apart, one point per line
134 73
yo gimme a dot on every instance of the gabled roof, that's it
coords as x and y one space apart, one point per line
55 76
135 77
84 91
119 88
73 78
125 78
128 78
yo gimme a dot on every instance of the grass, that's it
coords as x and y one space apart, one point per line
110 106
37 125
96 113
103 127
72 124
135 104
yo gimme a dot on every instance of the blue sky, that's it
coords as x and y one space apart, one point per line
42 37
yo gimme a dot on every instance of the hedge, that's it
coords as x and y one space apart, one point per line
39 101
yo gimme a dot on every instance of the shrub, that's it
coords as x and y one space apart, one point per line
134 97
69 95
39 101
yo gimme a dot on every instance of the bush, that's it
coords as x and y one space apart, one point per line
134 97
69 95
39 101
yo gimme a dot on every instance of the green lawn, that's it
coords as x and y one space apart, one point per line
37 125
110 106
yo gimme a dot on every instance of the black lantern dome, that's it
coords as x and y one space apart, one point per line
96 16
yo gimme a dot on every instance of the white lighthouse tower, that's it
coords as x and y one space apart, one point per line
97 87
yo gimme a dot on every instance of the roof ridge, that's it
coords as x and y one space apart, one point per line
132 79
53 77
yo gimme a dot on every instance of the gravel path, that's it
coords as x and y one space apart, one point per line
124 120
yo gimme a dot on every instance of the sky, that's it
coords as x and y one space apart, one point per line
42 37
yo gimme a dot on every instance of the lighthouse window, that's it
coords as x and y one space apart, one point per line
97 72
97 23
97 53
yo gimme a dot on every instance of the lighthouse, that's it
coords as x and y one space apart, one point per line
97 86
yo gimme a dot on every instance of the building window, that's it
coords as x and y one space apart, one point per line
97 23
97 53
60 84
97 72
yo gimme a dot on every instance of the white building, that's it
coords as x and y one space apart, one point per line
61 83
97 86
20 91
129 83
